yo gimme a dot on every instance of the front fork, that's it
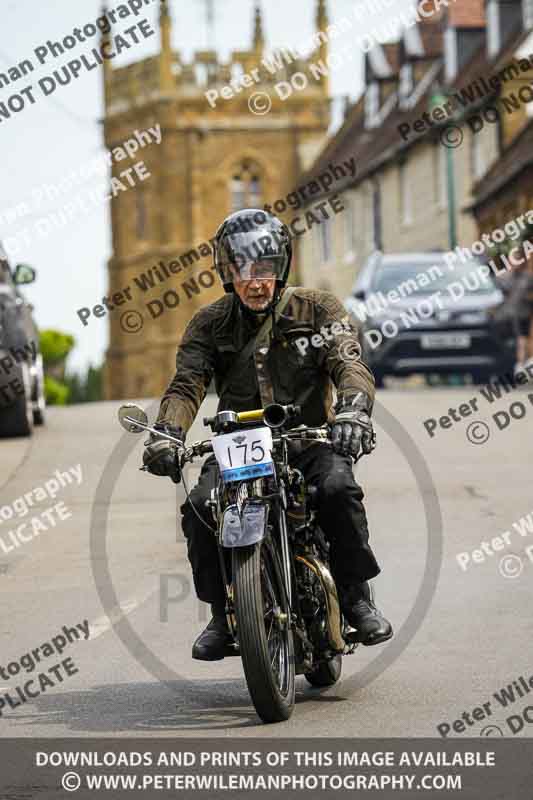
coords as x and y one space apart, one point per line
285 551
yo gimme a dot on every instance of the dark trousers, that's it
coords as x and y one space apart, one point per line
341 515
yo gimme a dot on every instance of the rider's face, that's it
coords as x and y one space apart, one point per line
256 293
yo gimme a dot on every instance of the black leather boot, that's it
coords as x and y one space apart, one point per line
215 642
361 613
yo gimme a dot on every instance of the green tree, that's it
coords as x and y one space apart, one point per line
85 388
55 347
57 394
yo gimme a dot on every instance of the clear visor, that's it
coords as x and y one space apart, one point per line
248 257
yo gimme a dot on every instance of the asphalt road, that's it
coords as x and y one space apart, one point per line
462 634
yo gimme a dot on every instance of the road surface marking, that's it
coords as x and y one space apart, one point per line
103 624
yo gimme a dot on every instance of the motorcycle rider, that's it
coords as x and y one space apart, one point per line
252 255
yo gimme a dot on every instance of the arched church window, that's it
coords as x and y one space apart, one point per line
245 187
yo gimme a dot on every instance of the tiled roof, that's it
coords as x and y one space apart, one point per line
372 148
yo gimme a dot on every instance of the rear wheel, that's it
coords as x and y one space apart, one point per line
16 418
264 632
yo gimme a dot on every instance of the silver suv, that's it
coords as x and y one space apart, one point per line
22 403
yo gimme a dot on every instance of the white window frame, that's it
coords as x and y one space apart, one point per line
372 105
478 164
528 14
350 228
494 35
406 83
326 243
451 61
370 222
406 197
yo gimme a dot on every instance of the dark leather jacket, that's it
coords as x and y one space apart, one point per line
283 373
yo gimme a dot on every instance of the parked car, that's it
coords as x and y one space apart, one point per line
424 313
22 399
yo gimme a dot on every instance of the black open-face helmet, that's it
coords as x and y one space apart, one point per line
252 243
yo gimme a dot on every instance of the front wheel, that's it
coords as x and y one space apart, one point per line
264 632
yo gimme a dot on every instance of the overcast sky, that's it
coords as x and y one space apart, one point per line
53 137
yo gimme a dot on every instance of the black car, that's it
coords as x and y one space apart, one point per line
22 403
431 313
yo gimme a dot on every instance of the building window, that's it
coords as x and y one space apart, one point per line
493 27
406 83
450 54
370 218
371 105
324 233
439 175
528 14
140 213
245 187
350 230
477 157
406 214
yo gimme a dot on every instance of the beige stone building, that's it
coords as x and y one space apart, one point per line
214 157
400 198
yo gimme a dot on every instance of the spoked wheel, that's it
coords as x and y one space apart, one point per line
263 629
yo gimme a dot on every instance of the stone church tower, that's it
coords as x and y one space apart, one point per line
211 161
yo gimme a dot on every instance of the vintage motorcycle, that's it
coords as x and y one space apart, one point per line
281 601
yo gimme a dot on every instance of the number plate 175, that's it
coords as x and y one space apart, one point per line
244 454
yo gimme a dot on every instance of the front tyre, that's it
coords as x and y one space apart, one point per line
263 627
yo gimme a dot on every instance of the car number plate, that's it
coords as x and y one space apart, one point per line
443 341
244 454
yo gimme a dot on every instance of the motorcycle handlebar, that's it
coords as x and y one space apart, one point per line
201 448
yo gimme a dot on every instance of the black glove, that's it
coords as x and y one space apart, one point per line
160 456
352 430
